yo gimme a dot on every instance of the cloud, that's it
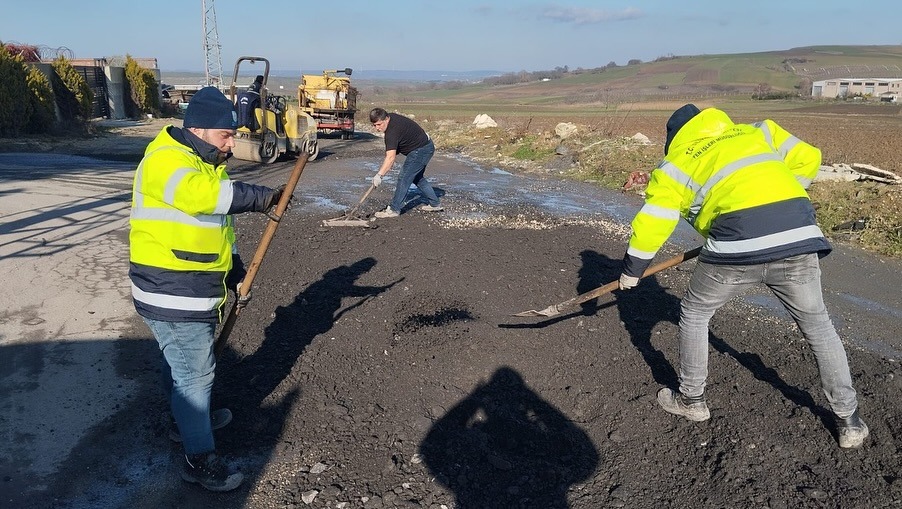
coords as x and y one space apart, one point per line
586 16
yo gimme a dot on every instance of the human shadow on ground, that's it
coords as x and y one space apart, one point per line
504 446
640 309
761 371
251 382
649 304
596 270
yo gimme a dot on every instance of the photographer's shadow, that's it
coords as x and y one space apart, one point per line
504 446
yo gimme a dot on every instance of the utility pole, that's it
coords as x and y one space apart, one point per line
212 58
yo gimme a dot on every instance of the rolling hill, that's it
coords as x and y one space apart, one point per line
673 77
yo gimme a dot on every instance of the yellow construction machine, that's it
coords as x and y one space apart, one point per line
330 100
275 127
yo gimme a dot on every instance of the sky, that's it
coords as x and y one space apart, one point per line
446 35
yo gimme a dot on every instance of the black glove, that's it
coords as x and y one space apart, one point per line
236 274
253 198
272 199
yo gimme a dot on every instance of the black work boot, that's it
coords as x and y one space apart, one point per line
676 403
211 472
852 430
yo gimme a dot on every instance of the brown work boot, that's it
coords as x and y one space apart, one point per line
852 430
694 409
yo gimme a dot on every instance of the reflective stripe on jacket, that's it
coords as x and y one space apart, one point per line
741 186
181 236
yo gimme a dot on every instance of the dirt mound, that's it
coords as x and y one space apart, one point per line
382 368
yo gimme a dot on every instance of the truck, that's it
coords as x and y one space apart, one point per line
280 128
331 100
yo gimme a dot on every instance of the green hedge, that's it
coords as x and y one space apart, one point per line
15 106
144 91
73 95
43 102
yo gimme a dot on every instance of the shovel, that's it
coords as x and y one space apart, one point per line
351 219
555 309
274 218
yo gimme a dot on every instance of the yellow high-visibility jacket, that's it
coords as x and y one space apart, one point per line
181 239
741 186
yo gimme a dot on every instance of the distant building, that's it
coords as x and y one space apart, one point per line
884 89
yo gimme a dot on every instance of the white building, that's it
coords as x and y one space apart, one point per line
884 89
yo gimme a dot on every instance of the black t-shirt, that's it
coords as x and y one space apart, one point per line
404 135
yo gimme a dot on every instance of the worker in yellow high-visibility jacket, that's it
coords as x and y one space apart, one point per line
183 259
743 188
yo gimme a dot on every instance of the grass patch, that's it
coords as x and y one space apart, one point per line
526 150
878 205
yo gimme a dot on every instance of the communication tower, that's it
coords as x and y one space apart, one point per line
212 58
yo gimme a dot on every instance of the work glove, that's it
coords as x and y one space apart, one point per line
272 199
628 282
377 180
242 301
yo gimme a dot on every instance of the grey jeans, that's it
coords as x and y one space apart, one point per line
796 281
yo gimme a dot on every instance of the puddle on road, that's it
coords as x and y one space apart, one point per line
773 305
470 191
319 202
873 307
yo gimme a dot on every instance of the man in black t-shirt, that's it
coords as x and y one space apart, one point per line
404 136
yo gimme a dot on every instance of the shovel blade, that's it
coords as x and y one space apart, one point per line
346 222
549 311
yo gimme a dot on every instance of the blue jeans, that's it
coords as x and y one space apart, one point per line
796 281
412 173
188 366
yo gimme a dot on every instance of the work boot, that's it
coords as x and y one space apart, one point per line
852 430
218 420
432 208
676 403
211 472
388 212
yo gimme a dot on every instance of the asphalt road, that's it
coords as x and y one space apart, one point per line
66 308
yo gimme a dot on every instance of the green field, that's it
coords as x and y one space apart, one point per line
700 76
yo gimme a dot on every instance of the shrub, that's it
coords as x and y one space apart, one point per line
14 112
73 95
43 114
144 91
28 52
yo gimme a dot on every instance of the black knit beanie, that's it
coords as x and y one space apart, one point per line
677 121
210 109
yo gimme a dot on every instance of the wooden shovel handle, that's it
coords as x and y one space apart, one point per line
613 285
254 266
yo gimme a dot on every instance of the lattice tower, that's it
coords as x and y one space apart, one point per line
212 57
